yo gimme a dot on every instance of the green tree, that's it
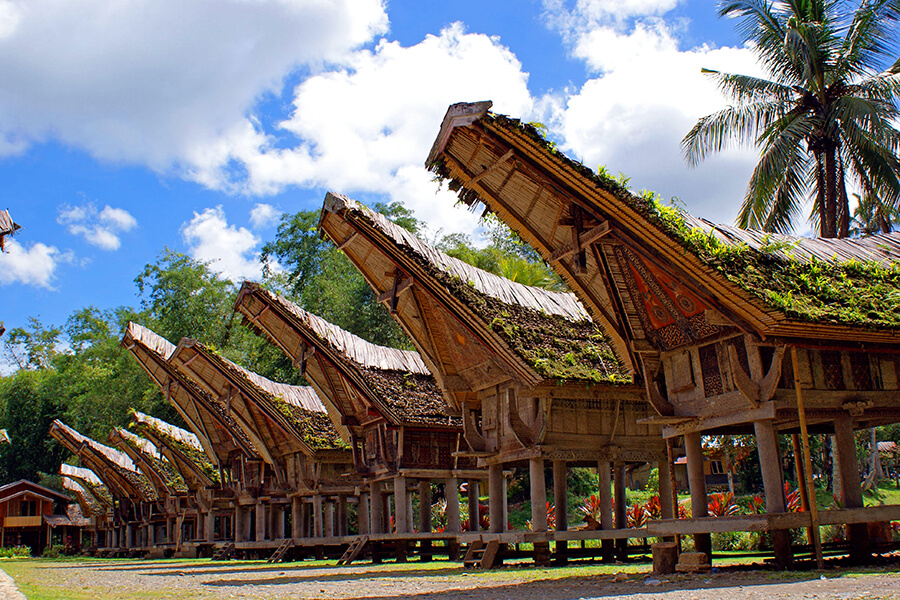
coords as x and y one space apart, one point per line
872 215
823 119
29 401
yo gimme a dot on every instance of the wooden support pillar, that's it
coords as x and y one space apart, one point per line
621 508
693 448
260 510
773 483
341 515
279 522
495 498
296 517
845 448
307 520
238 523
329 518
666 500
472 498
401 505
376 523
604 482
539 508
560 501
451 496
170 530
424 506
129 536
362 512
210 527
318 530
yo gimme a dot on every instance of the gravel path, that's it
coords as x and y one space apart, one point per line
202 579
8 589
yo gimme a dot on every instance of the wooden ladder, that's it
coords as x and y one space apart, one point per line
481 555
353 550
224 552
278 556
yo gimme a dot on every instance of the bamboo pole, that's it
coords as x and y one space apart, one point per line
807 461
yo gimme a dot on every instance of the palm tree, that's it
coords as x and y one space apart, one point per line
872 215
823 119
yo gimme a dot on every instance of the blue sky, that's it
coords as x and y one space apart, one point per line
126 127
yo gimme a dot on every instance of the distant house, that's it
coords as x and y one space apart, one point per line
31 513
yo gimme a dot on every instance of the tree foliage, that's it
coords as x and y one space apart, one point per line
823 119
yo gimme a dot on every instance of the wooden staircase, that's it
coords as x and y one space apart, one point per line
224 552
481 555
353 550
278 556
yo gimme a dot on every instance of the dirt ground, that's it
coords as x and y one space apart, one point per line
103 579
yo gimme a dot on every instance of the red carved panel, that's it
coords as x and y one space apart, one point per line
657 314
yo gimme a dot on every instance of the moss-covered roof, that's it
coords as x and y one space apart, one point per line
550 331
850 282
398 379
300 405
156 462
183 442
85 498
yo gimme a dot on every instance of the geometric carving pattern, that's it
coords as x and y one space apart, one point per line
670 314
862 371
833 370
709 366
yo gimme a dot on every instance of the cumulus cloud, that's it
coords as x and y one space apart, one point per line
264 215
644 95
32 266
231 251
368 127
99 228
149 81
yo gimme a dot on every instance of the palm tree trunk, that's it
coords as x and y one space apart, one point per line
830 194
843 205
820 194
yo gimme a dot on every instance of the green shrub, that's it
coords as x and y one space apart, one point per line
54 551
15 552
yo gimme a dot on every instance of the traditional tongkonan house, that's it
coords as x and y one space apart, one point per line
169 487
400 429
8 228
532 376
716 322
136 502
291 430
94 499
241 470
205 505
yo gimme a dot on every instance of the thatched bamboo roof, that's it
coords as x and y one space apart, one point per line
113 467
181 447
87 501
774 285
395 383
89 481
208 418
151 463
294 419
542 334
8 227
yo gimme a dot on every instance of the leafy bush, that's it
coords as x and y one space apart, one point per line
15 552
54 551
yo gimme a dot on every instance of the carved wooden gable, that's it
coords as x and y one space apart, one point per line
671 314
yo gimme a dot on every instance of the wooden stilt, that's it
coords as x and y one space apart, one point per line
693 446
260 510
604 481
807 462
472 499
451 496
560 499
495 498
296 518
621 508
857 534
773 483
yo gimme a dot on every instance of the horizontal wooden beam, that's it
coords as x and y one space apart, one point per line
765 411
493 167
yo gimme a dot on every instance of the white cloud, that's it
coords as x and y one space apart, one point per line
368 127
231 251
35 266
264 215
646 95
101 228
148 81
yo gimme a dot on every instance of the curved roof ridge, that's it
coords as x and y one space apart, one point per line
144 444
113 455
151 339
355 348
179 434
79 472
564 304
